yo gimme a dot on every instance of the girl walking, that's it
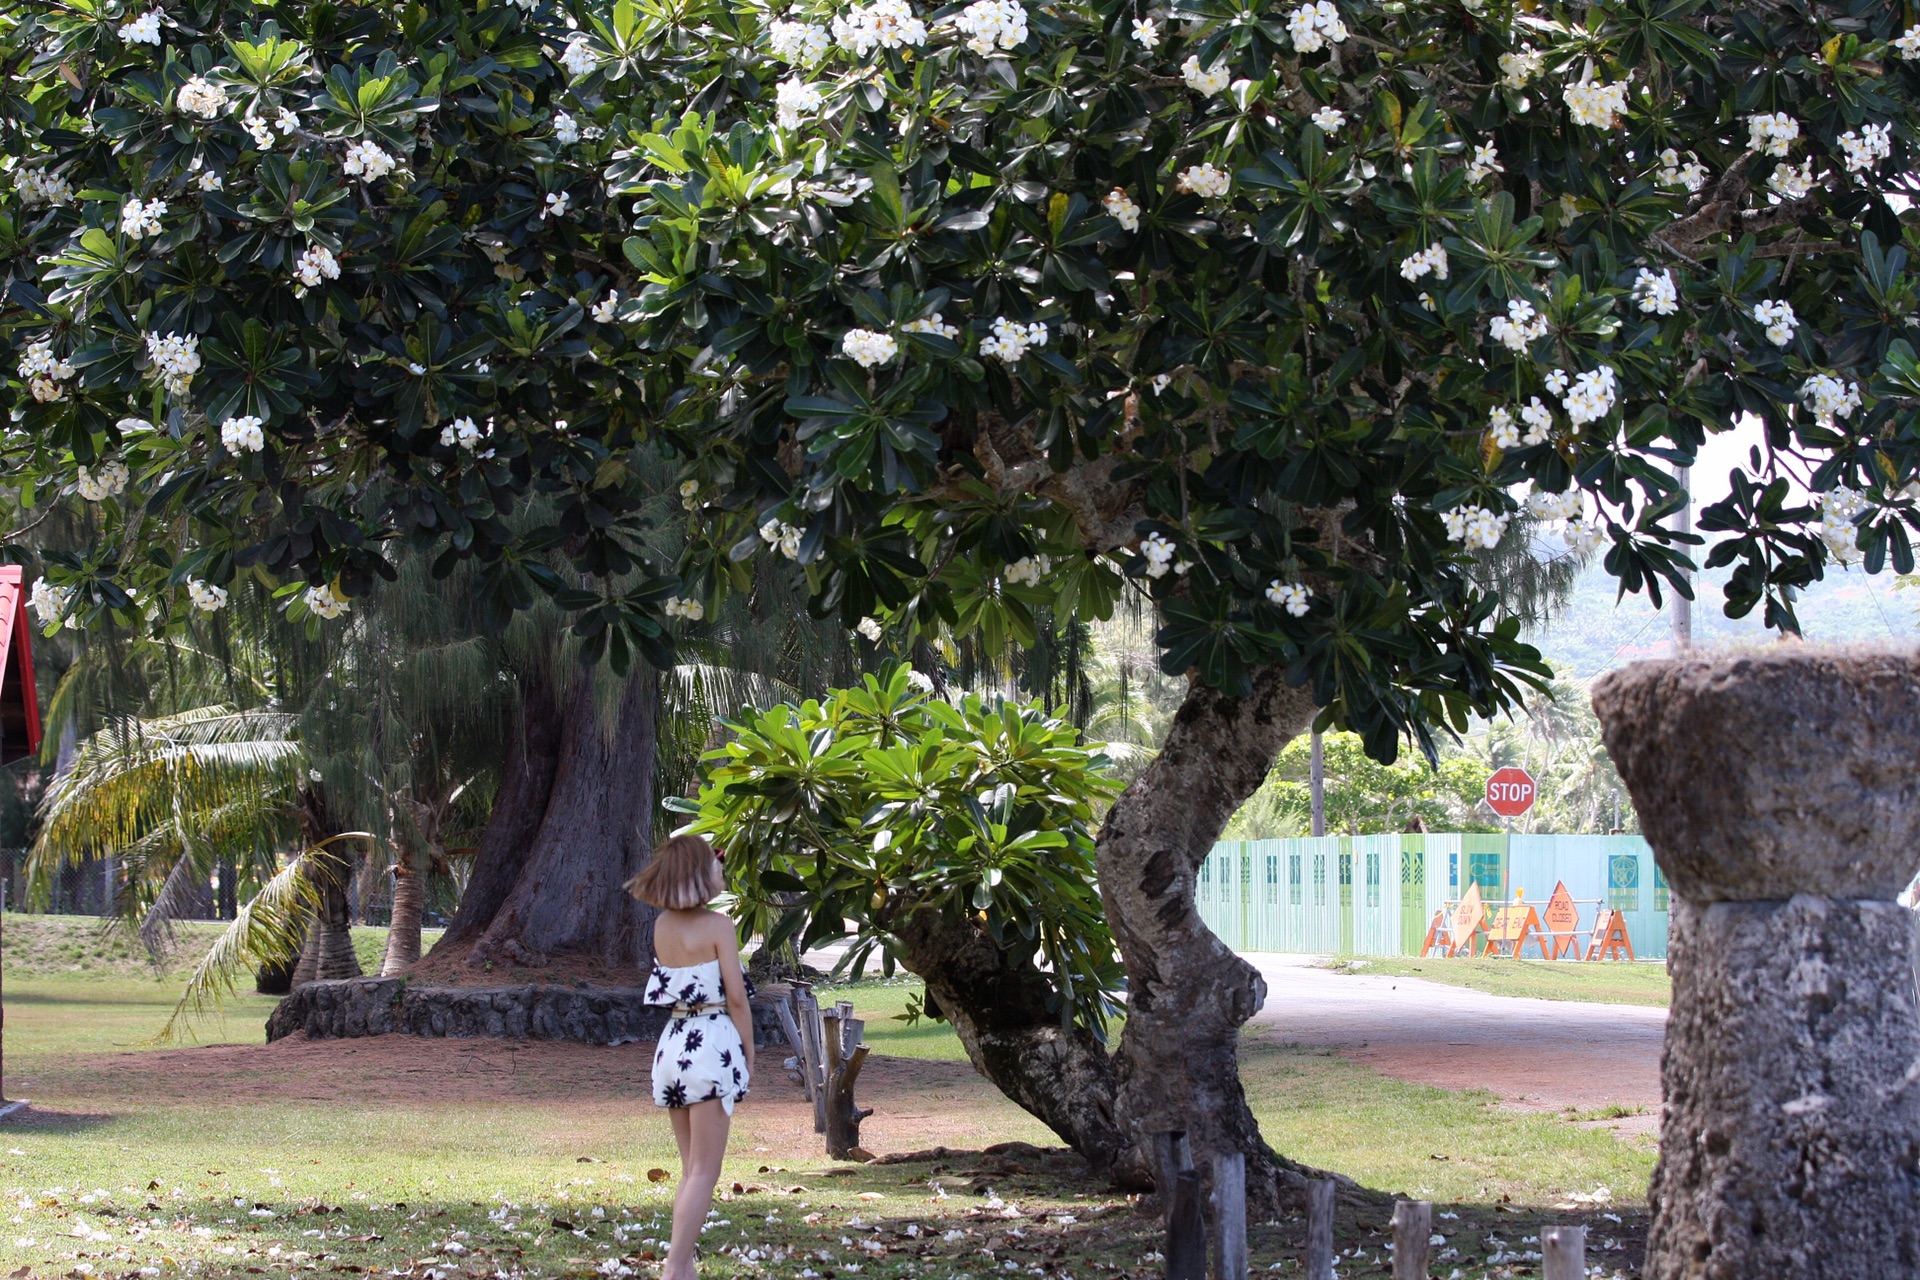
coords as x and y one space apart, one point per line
705 1059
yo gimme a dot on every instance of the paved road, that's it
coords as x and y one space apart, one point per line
1545 1054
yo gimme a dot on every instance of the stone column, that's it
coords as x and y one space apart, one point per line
1780 791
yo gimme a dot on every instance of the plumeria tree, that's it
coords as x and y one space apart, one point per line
1280 314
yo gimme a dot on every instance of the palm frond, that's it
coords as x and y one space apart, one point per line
267 931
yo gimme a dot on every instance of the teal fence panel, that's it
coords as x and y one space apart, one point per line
1375 895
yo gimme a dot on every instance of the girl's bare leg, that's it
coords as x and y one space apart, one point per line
701 1153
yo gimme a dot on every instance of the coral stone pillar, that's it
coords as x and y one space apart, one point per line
1780 791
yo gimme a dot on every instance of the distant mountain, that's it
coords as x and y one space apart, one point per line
1592 633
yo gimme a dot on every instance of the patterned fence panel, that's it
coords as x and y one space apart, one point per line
1374 895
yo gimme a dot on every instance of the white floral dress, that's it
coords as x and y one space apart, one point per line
700 1057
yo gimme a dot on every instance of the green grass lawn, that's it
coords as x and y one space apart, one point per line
1612 982
466 1158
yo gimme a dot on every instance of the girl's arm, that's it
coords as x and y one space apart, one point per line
735 985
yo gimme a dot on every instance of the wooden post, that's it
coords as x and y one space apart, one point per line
1319 1256
1563 1253
1412 1228
1230 1216
1186 1232
813 1057
1170 1155
845 1056
791 1027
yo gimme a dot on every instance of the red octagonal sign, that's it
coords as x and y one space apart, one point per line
1510 792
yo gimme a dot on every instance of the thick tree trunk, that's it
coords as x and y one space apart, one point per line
526 782
998 1006
1187 994
409 902
594 832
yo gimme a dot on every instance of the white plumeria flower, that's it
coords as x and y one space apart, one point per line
1866 148
604 309
1791 182
109 481
1159 553
1829 397
201 97
206 597
1476 526
313 266
1501 429
556 205
1590 397
933 324
1839 510
1432 259
1539 422
38 187
685 608
209 181
1519 67
1206 181
1010 339
1557 382
1583 537
566 130
286 121
259 130
869 630
462 432
1121 208
794 100
1517 329
324 602
243 435
49 602
868 347
176 358
1485 163
367 161
1542 505
1656 292
798 43
690 494
1773 134
578 57
1205 81
884 24
1161 381
1291 596
1028 570
991 25
778 533
1330 120
144 29
1313 27
1908 42
1427 303
1778 320
1674 172
140 219
1597 105
1146 32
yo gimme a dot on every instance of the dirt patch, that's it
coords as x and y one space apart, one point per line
447 967
918 1104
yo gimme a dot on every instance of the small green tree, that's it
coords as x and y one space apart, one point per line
1363 796
955 839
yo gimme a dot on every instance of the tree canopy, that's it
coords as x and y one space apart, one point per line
1283 312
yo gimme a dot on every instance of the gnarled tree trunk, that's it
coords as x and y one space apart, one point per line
573 821
997 1003
1188 995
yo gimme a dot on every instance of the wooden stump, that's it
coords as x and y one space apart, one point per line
1319 1253
1230 1216
845 1056
1412 1229
1186 1230
1563 1253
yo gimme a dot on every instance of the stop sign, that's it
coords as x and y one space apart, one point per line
1510 792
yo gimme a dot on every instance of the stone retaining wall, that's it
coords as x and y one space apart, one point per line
355 1007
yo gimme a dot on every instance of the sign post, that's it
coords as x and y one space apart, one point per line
1510 792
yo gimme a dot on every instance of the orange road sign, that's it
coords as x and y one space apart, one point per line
1514 927
1468 916
1562 922
1609 937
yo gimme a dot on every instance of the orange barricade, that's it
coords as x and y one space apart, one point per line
1513 927
1561 924
1468 916
1609 937
1438 935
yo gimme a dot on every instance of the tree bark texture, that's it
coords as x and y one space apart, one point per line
1188 995
519 807
327 952
409 903
595 831
997 1003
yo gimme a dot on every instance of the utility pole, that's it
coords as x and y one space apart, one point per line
1681 617
1317 784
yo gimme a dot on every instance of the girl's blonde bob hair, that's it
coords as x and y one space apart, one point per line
684 874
